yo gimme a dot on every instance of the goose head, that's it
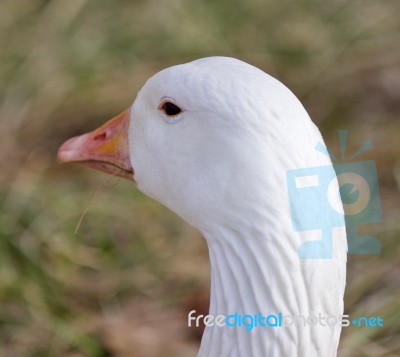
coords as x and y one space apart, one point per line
212 140
200 138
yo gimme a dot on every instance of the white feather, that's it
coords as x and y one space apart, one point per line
222 167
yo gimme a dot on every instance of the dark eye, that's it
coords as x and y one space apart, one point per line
170 109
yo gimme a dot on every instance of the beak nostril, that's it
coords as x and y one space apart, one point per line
101 136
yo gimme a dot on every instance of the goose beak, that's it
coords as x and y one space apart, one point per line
105 149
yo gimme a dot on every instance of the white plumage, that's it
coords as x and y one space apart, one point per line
221 165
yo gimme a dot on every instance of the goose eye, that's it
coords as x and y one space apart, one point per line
170 109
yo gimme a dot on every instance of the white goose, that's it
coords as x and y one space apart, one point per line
212 140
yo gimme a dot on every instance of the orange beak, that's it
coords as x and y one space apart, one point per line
105 149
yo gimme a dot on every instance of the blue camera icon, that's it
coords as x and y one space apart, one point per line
317 202
359 191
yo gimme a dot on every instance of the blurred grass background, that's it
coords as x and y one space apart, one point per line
117 286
